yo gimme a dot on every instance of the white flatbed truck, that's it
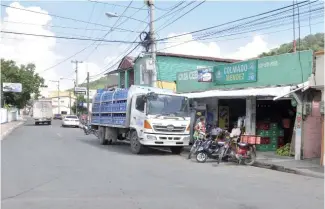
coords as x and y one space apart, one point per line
147 117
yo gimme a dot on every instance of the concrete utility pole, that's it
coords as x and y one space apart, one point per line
76 84
153 77
88 115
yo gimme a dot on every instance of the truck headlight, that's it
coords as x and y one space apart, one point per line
150 137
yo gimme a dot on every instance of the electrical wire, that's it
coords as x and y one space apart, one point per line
230 22
182 15
200 38
66 27
227 35
67 18
117 5
65 37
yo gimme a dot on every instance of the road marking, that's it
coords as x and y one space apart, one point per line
59 135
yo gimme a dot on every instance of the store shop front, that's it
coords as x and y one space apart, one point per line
243 93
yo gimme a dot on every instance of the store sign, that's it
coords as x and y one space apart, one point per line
12 87
242 72
185 76
205 75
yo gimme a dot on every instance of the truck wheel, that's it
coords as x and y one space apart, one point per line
176 150
101 136
36 123
49 123
136 146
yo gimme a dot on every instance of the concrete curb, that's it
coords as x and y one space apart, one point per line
3 135
288 170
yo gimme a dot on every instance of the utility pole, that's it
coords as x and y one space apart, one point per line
153 77
88 97
76 84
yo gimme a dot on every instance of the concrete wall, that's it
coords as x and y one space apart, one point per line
312 134
9 115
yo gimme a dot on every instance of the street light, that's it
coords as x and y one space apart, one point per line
110 14
57 81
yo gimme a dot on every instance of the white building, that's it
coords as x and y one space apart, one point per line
63 106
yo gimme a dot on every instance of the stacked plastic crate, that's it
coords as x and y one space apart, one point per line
95 118
119 107
106 100
270 134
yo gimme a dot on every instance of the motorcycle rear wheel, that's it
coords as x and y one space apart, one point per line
252 157
201 157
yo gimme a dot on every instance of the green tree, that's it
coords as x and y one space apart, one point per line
24 74
81 110
313 42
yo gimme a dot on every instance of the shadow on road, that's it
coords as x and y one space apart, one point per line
124 148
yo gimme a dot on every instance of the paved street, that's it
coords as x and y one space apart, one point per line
49 167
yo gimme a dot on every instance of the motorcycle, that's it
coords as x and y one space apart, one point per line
209 149
238 151
88 130
197 144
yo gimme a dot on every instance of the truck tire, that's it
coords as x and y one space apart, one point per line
101 136
176 150
49 123
136 146
36 123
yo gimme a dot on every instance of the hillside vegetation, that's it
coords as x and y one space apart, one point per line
311 42
110 80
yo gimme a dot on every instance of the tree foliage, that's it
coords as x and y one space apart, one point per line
311 42
24 74
81 110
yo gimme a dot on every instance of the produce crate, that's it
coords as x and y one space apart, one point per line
273 147
281 132
273 139
265 140
274 126
250 139
262 147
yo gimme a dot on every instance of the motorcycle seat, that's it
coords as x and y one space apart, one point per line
221 143
242 144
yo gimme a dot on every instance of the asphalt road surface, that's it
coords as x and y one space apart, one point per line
49 167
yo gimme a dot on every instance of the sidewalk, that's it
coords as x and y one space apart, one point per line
269 160
7 128
306 167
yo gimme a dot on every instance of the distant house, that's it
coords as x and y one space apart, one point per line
132 70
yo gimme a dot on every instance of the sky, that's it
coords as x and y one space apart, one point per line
99 56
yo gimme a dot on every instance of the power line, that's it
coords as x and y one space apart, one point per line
182 15
111 29
67 18
117 5
64 37
72 28
245 18
230 35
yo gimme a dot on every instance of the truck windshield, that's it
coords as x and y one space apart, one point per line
168 105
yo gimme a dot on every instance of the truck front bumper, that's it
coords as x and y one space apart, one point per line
150 139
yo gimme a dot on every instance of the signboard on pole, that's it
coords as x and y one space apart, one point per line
12 87
80 90
241 72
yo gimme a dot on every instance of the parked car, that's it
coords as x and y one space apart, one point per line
57 117
70 121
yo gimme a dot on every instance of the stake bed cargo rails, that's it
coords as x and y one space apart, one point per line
146 116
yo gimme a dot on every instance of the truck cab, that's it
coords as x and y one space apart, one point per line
160 120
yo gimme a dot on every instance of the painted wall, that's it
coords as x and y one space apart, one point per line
319 74
312 135
168 67
286 69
